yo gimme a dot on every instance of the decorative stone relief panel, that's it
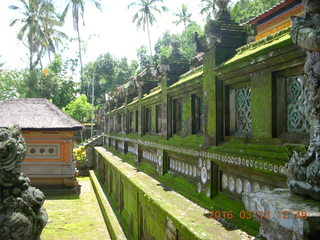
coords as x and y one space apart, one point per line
151 156
296 111
132 149
204 168
243 110
43 151
113 142
121 145
237 185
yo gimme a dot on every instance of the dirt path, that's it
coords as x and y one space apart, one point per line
75 217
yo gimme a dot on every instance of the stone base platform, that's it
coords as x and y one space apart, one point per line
283 215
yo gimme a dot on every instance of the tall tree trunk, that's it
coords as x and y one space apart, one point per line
80 55
150 48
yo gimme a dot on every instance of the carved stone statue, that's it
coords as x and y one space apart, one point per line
22 216
303 170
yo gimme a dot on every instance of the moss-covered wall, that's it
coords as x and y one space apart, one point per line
187 115
152 211
209 95
261 90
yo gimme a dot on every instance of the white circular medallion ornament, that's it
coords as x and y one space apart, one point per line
247 186
194 171
238 185
256 187
204 175
251 163
199 162
231 184
199 187
208 164
275 168
208 192
224 181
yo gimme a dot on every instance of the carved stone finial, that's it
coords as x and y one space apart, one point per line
22 216
303 170
223 13
175 48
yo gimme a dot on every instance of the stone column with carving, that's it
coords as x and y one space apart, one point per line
291 214
22 216
303 170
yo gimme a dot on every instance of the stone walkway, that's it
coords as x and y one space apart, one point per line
75 217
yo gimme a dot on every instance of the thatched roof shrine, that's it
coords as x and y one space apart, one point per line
35 114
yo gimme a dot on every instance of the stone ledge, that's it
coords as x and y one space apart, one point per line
189 216
110 218
284 215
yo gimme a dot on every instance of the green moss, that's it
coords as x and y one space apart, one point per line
189 190
74 217
152 93
188 78
209 93
190 141
251 53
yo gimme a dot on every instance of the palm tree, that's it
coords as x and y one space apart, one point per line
38 26
54 37
209 8
183 15
145 17
78 7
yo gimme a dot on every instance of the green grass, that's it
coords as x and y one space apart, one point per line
75 217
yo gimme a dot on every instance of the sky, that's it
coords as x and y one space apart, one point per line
110 30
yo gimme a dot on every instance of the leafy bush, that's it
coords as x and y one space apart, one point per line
79 154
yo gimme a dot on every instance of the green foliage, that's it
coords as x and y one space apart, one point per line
79 109
54 82
243 10
208 8
80 155
39 28
145 15
108 73
183 16
143 57
11 83
186 38
78 7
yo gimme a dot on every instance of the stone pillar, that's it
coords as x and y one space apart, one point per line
209 97
126 118
153 119
138 157
162 160
187 115
261 93
165 110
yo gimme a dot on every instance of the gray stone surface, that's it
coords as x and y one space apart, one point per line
22 216
303 170
284 215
